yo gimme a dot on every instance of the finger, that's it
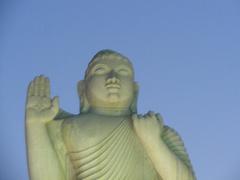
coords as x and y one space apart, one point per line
145 115
55 105
41 86
159 117
30 89
151 113
36 85
46 87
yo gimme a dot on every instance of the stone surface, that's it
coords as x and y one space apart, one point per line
107 139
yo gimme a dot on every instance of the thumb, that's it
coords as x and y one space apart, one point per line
160 119
55 104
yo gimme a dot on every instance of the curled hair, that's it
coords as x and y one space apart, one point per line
106 54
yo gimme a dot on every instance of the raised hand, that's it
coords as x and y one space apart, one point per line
40 107
148 127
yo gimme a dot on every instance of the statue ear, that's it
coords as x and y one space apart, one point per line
133 106
80 87
84 105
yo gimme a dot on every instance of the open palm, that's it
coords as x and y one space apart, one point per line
40 107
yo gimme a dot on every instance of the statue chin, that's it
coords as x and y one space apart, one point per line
113 97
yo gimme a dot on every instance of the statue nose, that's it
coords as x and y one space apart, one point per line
113 78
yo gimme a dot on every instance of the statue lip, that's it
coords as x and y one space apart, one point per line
112 85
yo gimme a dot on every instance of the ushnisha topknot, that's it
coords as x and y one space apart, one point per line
106 54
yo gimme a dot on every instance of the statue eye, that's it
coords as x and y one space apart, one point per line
124 72
100 70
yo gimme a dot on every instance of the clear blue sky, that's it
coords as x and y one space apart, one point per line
186 56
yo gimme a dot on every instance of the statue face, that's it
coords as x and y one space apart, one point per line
110 84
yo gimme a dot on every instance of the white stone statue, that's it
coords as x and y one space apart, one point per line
107 140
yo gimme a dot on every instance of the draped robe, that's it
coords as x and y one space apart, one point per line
93 147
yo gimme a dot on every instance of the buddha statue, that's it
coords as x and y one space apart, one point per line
108 139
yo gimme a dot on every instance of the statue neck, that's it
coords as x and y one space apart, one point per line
110 111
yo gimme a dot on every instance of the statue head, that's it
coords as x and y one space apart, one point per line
108 84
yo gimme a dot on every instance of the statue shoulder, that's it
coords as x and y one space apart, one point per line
176 145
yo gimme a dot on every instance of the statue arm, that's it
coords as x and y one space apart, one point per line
43 162
174 143
162 151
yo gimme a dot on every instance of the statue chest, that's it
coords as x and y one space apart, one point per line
85 132
107 151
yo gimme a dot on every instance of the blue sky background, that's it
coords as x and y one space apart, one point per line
185 53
